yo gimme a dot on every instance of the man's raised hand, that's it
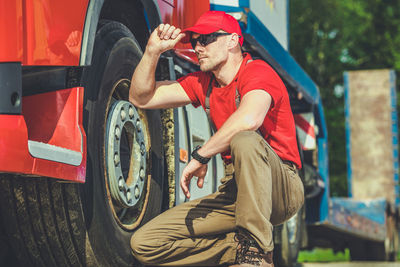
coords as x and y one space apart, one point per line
194 168
164 38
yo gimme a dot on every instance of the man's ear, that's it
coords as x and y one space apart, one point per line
233 40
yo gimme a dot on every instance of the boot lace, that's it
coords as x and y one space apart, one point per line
248 250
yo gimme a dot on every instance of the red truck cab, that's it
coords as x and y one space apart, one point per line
80 167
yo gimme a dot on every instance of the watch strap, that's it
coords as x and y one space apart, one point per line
201 159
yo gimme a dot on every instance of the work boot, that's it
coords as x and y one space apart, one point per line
249 253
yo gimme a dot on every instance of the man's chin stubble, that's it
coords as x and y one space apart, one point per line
206 67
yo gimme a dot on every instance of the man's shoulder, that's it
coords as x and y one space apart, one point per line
198 77
253 61
257 63
195 82
257 69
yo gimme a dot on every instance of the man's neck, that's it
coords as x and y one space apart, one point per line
227 72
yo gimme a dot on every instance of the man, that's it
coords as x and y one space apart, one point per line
250 109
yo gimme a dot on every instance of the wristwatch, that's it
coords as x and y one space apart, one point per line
196 156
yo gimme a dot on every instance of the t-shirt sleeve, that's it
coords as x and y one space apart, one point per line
261 76
192 86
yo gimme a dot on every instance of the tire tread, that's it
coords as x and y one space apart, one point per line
10 221
43 231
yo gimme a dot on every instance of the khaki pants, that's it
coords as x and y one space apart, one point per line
261 192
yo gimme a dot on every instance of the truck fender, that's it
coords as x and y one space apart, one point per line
152 14
89 31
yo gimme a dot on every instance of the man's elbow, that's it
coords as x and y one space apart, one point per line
139 101
255 126
135 101
252 124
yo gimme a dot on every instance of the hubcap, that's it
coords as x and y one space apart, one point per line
292 228
126 183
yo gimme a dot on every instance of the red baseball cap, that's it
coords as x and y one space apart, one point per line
212 21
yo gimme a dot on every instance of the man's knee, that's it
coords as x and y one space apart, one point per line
244 141
141 246
137 249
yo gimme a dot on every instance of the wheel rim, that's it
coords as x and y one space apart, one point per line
292 229
127 143
124 126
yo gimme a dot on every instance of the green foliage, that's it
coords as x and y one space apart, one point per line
323 255
331 36
326 255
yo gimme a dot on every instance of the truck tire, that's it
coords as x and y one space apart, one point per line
363 250
50 223
7 257
288 236
287 249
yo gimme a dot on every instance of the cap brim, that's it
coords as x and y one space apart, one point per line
202 29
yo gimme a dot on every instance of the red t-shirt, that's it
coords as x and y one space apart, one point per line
278 127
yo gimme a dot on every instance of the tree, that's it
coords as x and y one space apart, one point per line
331 36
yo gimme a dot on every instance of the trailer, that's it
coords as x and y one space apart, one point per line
367 221
81 168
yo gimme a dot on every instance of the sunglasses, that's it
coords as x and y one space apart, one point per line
206 39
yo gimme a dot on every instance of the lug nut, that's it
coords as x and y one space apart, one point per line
117 133
116 159
123 115
142 173
142 149
138 125
131 112
129 196
137 192
121 183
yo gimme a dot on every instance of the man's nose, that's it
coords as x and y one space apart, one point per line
198 47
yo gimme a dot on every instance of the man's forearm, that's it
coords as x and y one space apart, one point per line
143 83
250 115
143 79
220 141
